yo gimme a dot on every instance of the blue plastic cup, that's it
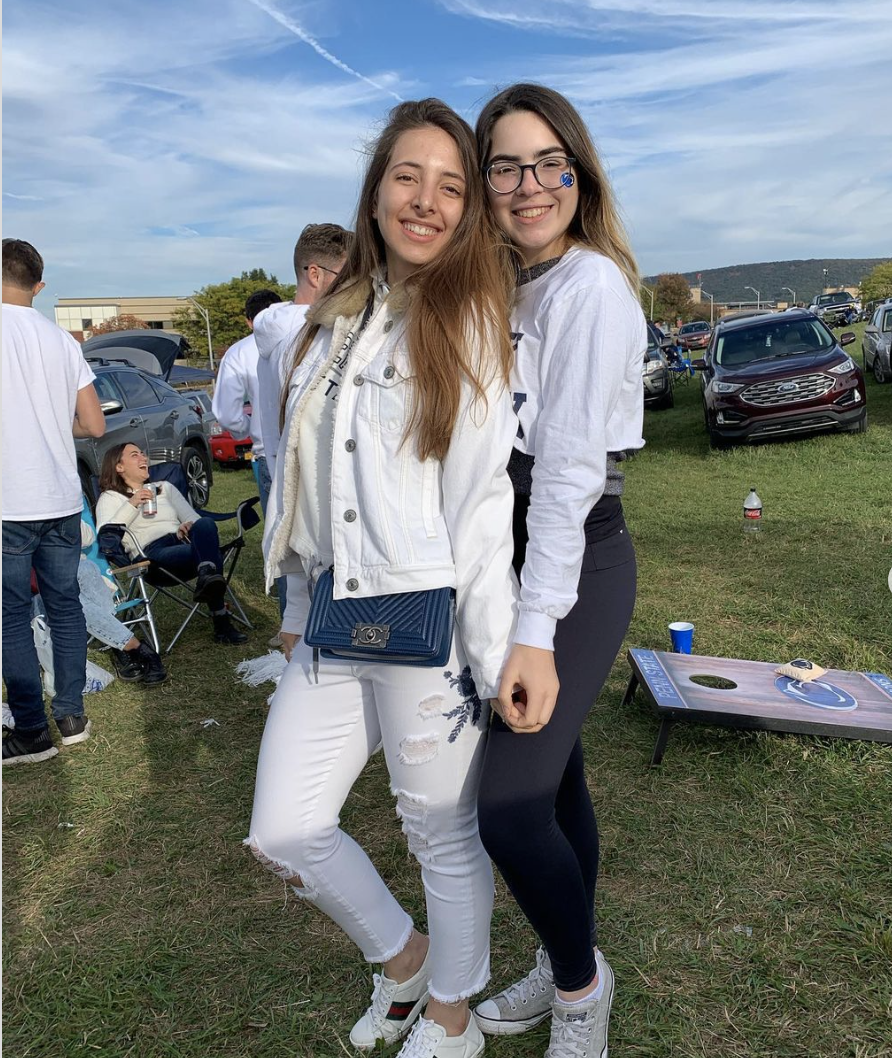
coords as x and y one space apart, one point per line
682 633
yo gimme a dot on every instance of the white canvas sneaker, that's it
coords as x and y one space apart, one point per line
429 1040
520 1006
393 1009
579 1030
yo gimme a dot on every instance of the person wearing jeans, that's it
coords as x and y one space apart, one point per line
48 400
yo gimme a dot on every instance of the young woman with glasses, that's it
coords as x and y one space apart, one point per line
398 426
580 339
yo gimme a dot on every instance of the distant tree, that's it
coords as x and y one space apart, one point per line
125 322
225 304
878 284
672 298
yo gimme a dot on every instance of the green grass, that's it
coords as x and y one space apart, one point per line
745 898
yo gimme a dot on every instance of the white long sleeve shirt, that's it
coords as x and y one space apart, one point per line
236 383
580 338
173 510
275 329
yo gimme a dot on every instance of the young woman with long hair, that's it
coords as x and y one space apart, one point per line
397 428
177 537
580 338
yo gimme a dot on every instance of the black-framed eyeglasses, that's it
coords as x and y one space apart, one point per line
551 173
324 269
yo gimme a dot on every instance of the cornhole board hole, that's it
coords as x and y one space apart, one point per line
732 693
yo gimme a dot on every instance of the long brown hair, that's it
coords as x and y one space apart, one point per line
597 222
109 478
463 292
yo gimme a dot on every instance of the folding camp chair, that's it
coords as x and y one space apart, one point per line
680 368
162 581
126 581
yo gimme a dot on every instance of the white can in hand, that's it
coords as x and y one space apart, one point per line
150 506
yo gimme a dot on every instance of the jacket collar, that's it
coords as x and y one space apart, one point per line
351 301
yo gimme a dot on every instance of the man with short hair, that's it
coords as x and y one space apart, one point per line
48 400
319 255
236 383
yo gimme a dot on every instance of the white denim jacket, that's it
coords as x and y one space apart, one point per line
412 525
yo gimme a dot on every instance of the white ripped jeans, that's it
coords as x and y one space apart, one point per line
317 740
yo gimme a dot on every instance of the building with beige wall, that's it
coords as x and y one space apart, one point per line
81 315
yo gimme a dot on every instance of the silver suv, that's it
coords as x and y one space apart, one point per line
142 409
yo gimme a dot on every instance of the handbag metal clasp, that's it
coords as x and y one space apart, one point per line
375 636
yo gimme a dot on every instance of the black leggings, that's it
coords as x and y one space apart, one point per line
536 817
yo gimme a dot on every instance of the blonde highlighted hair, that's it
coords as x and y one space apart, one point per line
597 224
456 304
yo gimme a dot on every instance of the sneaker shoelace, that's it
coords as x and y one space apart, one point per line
382 995
538 982
422 1041
569 1039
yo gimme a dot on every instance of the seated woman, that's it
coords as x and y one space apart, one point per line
133 660
176 536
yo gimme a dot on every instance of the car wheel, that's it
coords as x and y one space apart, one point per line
878 373
198 476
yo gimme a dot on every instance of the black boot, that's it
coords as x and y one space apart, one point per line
210 586
153 670
127 665
225 631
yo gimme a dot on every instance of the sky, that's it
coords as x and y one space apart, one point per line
155 148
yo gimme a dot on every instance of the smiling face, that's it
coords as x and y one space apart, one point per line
420 200
133 466
536 219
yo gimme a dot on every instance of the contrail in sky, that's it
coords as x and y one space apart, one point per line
294 28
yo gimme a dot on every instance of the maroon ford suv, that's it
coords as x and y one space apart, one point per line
784 373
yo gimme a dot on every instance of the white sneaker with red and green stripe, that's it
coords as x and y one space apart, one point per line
394 1008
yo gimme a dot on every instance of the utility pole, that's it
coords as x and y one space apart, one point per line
207 323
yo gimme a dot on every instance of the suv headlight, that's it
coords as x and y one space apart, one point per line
726 387
844 368
216 429
653 366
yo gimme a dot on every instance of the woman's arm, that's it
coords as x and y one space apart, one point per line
116 509
584 361
182 508
478 504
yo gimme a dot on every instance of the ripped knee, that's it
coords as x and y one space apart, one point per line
412 811
281 869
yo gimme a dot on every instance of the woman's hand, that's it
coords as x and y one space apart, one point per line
529 689
183 531
140 496
289 642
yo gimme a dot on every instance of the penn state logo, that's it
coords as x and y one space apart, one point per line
817 693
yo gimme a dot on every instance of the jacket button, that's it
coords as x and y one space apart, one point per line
389 371
388 327
358 380
349 516
352 584
350 445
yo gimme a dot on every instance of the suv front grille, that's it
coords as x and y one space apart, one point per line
772 394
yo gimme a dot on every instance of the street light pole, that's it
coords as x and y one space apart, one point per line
711 305
758 296
826 272
648 289
207 323
793 292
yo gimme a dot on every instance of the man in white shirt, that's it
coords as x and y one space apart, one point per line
48 400
237 383
319 255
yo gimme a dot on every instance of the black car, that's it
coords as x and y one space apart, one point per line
785 373
141 408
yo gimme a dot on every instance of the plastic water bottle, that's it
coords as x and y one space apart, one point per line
752 512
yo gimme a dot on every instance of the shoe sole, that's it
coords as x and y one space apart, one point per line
411 1018
82 736
509 1028
129 679
31 758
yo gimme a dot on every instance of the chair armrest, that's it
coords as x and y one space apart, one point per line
133 568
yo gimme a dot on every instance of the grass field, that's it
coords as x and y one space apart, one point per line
745 898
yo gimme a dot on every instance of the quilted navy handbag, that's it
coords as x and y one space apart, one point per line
413 628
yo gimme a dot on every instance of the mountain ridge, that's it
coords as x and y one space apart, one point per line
806 277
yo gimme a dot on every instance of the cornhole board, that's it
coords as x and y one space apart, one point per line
841 704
